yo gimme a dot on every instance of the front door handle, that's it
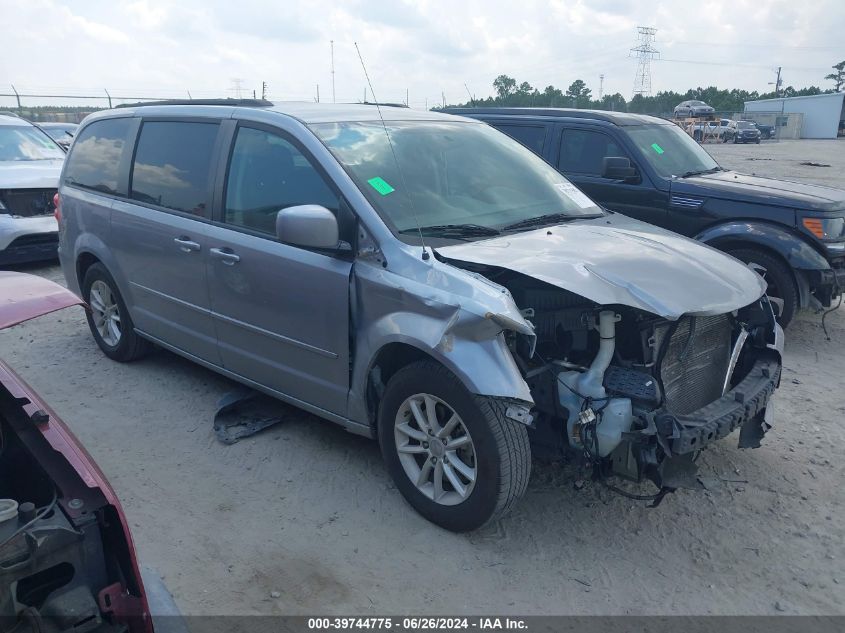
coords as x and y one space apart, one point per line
225 255
186 245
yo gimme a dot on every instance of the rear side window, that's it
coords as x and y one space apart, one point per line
584 151
266 174
94 160
532 136
172 166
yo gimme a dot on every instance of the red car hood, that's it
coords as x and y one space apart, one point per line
24 297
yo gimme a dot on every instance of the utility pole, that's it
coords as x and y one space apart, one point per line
190 98
443 95
318 93
777 83
645 52
264 90
333 96
601 86
365 94
406 98
471 100
237 86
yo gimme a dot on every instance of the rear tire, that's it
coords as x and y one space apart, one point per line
780 279
109 318
497 454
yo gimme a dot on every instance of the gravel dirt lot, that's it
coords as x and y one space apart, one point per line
305 511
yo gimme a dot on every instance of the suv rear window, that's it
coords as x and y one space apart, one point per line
532 136
94 160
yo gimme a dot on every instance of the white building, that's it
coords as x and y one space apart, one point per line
821 113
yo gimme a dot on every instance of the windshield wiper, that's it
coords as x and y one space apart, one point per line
453 230
540 220
699 172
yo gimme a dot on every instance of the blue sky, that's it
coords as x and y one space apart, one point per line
427 47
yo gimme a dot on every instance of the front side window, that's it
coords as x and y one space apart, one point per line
173 164
449 173
94 160
532 136
584 151
27 143
670 150
266 174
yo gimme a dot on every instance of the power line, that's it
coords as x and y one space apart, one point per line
645 52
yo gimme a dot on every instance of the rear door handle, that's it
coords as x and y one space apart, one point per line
186 245
225 255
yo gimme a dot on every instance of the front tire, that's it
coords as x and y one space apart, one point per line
779 277
454 456
109 318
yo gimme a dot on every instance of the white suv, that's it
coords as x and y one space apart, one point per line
30 164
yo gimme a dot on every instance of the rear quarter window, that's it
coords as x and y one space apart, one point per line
94 159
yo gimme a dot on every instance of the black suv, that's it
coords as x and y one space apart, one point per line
649 169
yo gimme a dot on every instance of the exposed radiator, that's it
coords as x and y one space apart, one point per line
695 361
28 203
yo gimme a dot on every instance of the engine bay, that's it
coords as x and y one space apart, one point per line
64 560
633 394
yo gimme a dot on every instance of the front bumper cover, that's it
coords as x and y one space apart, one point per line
741 405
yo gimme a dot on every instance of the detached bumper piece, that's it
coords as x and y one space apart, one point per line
739 407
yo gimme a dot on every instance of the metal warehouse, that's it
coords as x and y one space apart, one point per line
821 114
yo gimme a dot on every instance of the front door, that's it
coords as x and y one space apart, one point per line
281 311
159 235
581 160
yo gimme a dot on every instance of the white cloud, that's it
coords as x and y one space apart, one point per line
163 49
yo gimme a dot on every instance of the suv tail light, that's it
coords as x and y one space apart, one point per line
57 207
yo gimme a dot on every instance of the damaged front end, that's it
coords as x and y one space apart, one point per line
638 394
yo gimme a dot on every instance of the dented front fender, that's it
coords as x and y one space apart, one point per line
453 316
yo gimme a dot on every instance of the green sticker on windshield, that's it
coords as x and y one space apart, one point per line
380 185
657 148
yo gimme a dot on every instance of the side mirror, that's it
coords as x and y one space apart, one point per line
618 168
308 225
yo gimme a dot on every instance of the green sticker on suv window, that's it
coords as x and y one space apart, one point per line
657 148
380 185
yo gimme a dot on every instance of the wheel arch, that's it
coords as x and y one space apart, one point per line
798 279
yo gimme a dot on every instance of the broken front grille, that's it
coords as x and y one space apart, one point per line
694 361
27 203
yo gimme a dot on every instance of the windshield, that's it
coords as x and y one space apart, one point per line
745 125
670 150
452 173
24 142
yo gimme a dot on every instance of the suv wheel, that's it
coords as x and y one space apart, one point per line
108 317
454 456
781 283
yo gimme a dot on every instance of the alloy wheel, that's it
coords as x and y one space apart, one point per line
106 312
435 449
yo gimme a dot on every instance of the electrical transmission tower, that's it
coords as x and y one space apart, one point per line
645 52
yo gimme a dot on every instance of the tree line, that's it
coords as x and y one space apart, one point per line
510 93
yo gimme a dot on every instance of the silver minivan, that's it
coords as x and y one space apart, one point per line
421 279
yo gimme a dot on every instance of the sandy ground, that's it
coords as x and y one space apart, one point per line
305 511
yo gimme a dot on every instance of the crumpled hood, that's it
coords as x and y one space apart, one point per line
30 174
618 260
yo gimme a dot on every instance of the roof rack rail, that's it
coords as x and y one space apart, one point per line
247 103
10 113
386 105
